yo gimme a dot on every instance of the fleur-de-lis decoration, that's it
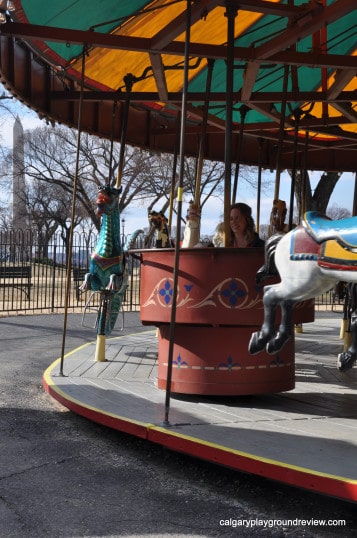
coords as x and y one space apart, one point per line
179 362
229 364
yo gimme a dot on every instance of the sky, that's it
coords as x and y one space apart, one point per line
136 217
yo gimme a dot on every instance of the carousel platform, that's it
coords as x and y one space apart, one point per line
306 437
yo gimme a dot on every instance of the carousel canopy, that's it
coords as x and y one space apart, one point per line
288 69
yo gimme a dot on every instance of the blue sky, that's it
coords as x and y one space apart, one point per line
136 217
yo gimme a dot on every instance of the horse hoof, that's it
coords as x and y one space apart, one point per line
276 344
345 362
257 343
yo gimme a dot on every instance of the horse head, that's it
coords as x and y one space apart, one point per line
193 215
157 220
277 216
107 199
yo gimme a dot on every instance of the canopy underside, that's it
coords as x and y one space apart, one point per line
294 73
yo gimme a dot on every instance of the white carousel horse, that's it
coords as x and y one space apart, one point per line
191 235
309 260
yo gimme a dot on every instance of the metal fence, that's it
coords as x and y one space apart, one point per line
33 273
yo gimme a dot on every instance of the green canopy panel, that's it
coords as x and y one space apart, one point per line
294 67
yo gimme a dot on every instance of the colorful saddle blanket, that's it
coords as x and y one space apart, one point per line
328 254
321 229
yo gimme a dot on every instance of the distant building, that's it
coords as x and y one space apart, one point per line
19 211
19 238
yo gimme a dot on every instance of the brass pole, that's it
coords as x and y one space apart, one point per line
179 213
73 214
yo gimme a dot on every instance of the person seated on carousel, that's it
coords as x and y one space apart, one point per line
243 234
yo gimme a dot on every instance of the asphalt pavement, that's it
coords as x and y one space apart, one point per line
64 476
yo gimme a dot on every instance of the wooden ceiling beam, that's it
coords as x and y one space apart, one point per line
347 111
177 26
342 78
218 97
314 17
250 76
159 75
199 50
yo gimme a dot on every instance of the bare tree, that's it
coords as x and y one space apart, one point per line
336 212
318 199
147 176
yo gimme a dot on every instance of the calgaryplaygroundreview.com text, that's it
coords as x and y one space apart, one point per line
271 523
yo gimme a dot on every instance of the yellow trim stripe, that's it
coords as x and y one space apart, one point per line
153 427
253 457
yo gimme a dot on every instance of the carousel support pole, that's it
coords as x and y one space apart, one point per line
354 208
243 113
202 148
179 214
128 80
345 329
101 337
259 187
112 140
174 171
231 13
281 133
297 114
73 213
100 344
304 177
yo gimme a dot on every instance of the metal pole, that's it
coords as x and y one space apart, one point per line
179 213
73 213
129 80
112 142
354 208
231 13
260 146
281 133
293 171
243 112
174 167
201 151
101 339
304 178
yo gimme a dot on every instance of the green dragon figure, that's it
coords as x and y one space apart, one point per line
107 268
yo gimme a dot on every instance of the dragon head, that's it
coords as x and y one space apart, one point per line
107 199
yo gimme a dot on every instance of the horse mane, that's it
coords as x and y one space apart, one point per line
269 268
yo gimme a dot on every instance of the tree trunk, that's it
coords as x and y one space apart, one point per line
317 201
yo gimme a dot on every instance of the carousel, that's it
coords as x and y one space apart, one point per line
265 83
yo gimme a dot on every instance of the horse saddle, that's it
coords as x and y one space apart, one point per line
322 228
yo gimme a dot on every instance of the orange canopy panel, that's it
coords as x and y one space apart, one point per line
294 67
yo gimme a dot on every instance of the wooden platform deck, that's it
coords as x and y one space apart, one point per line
306 437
